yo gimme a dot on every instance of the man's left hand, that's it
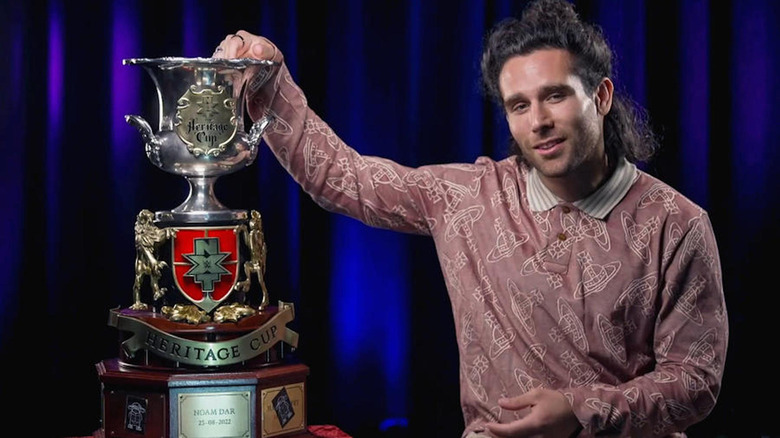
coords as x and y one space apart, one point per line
550 416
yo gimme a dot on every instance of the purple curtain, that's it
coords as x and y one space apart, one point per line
396 79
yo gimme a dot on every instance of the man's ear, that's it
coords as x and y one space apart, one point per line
603 96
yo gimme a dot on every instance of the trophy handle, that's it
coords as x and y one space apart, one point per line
257 130
152 143
142 126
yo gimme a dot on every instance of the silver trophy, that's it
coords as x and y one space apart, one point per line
201 137
201 133
200 301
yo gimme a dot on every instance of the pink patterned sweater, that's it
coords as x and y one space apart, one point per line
615 300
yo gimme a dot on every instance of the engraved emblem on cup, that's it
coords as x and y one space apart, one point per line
206 120
201 132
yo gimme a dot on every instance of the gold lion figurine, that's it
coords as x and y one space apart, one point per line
255 239
148 238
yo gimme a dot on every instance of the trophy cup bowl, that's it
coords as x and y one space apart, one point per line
201 134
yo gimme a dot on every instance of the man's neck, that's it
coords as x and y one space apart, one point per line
581 183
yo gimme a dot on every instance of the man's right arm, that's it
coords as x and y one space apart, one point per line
376 191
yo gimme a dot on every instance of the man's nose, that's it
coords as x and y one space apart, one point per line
540 118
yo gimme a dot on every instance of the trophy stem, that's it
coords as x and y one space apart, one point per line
201 205
201 197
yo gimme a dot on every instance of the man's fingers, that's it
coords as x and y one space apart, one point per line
513 429
498 429
261 48
243 44
234 45
515 403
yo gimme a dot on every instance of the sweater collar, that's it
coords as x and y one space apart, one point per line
598 204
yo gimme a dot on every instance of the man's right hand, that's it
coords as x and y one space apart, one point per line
243 44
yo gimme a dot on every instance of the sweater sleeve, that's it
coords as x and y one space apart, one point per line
376 191
690 343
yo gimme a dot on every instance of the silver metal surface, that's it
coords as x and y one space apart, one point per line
201 134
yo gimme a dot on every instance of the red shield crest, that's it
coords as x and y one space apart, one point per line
205 264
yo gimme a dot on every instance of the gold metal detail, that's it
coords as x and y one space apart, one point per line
148 239
187 313
233 312
255 240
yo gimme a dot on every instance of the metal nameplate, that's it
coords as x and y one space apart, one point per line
215 414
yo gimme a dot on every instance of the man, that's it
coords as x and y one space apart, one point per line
587 294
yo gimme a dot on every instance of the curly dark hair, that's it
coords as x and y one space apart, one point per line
554 24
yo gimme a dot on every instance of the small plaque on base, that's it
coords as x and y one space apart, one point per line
214 414
283 410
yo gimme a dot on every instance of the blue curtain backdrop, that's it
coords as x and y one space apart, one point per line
397 79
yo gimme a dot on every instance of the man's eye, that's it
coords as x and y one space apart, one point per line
556 97
520 107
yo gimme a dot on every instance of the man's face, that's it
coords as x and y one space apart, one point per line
558 126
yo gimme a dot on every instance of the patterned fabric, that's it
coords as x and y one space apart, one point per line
617 302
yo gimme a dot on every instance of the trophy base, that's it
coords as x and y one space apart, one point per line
252 403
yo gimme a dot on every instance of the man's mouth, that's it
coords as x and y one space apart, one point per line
548 144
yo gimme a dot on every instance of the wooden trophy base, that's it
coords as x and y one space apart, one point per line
261 402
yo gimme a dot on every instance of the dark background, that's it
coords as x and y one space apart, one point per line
396 79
